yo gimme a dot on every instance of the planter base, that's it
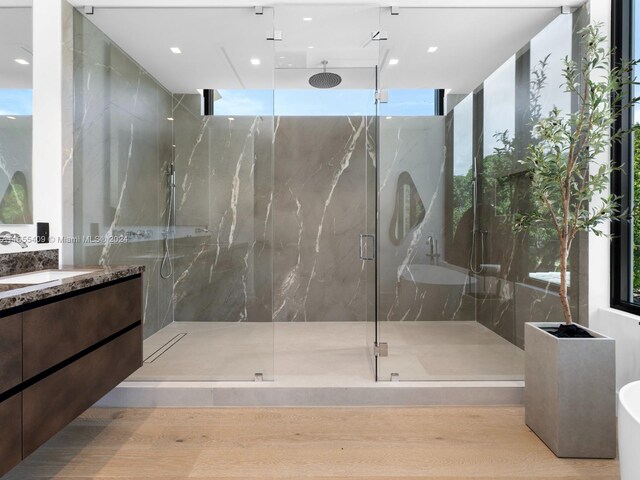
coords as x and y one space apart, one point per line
570 392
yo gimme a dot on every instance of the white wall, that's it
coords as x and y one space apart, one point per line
624 327
47 122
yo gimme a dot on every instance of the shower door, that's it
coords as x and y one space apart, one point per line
324 189
223 234
422 302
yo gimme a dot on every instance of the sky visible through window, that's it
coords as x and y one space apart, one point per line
338 102
15 102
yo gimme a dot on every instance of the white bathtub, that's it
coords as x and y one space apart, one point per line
433 292
435 275
629 431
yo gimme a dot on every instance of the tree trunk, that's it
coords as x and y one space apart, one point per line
564 254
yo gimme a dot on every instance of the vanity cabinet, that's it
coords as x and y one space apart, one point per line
60 356
11 438
10 352
75 324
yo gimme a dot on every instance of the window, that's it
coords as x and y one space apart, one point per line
333 102
625 247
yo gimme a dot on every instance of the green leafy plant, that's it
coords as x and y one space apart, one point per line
568 183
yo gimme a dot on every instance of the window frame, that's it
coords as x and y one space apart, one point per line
622 38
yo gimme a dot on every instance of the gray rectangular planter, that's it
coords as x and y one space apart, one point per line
570 392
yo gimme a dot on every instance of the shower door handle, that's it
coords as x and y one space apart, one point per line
367 255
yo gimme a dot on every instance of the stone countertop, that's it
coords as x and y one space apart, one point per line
14 295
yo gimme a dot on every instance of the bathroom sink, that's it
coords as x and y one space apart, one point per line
42 276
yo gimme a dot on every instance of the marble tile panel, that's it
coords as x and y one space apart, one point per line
22 262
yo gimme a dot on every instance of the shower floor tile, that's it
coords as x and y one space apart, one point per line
327 353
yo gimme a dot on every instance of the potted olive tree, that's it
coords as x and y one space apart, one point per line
570 369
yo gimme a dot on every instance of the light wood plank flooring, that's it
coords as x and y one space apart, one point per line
434 443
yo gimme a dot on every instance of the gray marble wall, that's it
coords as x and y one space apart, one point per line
416 145
223 215
267 225
122 146
320 207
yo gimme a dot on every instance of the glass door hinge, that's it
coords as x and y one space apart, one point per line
381 349
382 96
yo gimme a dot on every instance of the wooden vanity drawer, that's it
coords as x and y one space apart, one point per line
54 332
11 437
10 352
52 403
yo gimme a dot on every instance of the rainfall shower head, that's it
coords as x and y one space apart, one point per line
325 79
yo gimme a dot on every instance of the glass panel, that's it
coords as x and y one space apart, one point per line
16 195
517 270
409 210
224 177
190 193
122 149
324 156
446 294
419 291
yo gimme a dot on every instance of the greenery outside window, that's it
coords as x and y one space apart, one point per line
625 182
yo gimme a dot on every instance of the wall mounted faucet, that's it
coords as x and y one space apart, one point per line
7 237
433 249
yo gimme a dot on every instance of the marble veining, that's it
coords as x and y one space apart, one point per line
17 295
319 209
22 262
122 146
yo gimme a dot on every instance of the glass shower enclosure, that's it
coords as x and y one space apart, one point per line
294 224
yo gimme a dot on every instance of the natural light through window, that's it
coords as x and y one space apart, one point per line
15 101
330 102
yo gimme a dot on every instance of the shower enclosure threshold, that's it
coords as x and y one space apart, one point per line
322 364
274 394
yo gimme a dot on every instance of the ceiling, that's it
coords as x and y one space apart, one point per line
249 3
15 42
218 44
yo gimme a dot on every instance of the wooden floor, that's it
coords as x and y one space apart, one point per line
302 443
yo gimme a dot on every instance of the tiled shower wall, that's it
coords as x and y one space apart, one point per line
320 208
267 227
228 193
223 253
283 231
122 147
228 264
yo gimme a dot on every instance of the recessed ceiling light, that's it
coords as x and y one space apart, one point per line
388 118
10 117
393 61
281 58
307 19
170 119
175 50
310 46
21 61
289 64
231 118
255 61
432 49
